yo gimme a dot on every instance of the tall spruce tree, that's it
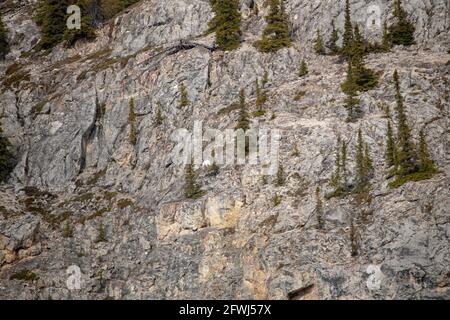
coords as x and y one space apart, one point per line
192 190
318 43
368 163
132 123
361 179
425 163
336 177
243 120
184 100
364 78
391 152
406 155
364 166
276 33
319 209
158 115
401 32
281 179
332 42
347 39
5 156
4 46
303 68
339 177
51 16
226 23
260 98
351 101
386 41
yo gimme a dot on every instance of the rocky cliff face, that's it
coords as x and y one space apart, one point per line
81 196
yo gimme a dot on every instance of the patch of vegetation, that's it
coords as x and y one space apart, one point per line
88 196
303 68
38 107
101 233
96 177
67 231
13 81
259 113
13 68
132 136
299 95
184 100
276 200
124 203
319 210
109 195
232 107
24 275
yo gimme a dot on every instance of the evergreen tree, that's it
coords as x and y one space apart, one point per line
406 156
51 16
303 69
191 190
402 32
344 165
71 36
260 98
318 43
265 79
101 233
364 78
243 120
5 156
336 177
332 42
276 33
132 123
280 176
386 41
339 177
184 101
158 116
347 41
4 46
390 147
352 104
319 209
426 164
368 164
353 240
360 171
364 167
226 23
359 78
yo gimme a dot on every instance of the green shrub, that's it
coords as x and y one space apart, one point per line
276 200
124 203
24 275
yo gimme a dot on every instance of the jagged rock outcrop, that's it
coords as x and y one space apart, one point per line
77 173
